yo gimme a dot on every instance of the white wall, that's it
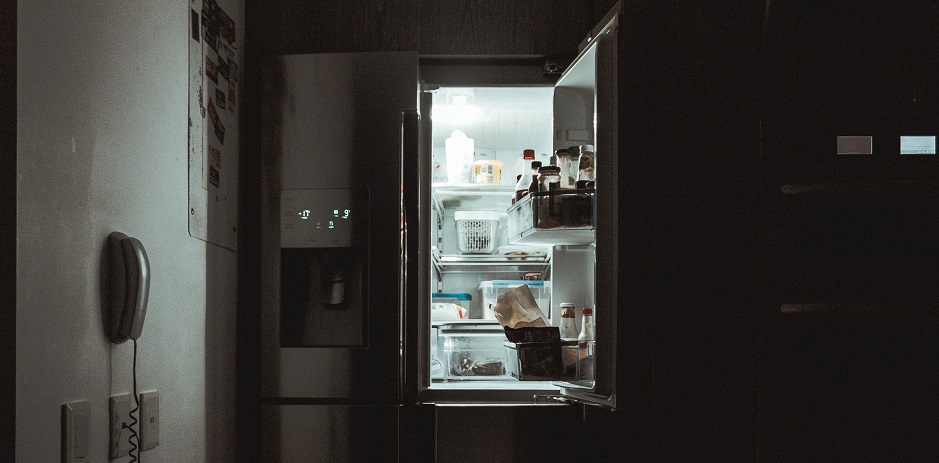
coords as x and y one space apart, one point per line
102 116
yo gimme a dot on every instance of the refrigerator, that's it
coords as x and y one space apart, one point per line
368 249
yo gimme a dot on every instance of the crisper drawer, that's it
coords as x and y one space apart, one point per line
471 351
553 217
539 361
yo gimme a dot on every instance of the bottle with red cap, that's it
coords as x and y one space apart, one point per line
588 335
521 187
568 328
587 331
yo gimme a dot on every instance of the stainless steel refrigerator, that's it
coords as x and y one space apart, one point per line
358 238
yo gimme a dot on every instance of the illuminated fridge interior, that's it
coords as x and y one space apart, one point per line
467 350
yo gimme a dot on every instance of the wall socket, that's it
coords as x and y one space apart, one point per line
149 420
119 406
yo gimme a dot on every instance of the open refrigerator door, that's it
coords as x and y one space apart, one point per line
494 250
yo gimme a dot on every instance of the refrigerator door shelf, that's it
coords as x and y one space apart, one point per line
469 197
563 217
546 361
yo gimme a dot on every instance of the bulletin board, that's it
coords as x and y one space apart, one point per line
215 57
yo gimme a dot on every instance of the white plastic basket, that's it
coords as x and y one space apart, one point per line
476 231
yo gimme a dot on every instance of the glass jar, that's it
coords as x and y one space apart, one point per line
549 178
586 169
565 162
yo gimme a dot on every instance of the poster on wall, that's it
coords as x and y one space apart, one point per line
214 57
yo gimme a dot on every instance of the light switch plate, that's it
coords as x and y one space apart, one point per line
119 407
855 145
75 423
149 420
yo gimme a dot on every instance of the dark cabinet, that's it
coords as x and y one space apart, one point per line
438 27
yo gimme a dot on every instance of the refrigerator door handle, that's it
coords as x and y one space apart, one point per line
410 253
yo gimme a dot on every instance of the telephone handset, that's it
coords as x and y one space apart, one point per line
129 287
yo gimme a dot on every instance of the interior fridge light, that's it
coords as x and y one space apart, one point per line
457 114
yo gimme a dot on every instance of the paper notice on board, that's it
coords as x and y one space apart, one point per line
211 69
215 157
216 122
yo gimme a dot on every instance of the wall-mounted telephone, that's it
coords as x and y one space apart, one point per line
129 287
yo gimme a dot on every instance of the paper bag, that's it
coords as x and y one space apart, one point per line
516 308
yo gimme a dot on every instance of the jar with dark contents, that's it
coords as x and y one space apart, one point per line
577 209
547 208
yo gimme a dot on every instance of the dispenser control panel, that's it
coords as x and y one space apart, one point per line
319 218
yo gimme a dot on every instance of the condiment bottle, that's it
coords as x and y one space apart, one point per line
563 156
533 185
524 169
518 178
586 169
587 331
568 328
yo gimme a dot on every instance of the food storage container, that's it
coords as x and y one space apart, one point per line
487 171
450 306
539 361
471 351
436 365
490 291
476 231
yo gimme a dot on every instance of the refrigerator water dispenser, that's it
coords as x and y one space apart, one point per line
323 267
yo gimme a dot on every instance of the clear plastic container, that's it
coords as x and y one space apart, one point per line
472 352
490 291
561 210
462 299
539 361
450 306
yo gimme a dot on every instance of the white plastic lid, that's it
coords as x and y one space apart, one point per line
476 215
514 284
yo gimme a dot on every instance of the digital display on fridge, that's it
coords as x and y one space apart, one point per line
319 218
918 144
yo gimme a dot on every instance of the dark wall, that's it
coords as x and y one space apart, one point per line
431 27
7 229
739 98
852 382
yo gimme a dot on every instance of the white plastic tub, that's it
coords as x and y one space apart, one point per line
476 231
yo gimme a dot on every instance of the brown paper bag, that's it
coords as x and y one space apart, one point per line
516 308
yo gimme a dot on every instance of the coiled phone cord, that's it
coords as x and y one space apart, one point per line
133 439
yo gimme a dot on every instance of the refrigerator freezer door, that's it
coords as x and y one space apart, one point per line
331 130
329 433
586 103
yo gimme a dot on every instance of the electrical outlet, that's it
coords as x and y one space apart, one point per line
149 420
75 418
119 406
